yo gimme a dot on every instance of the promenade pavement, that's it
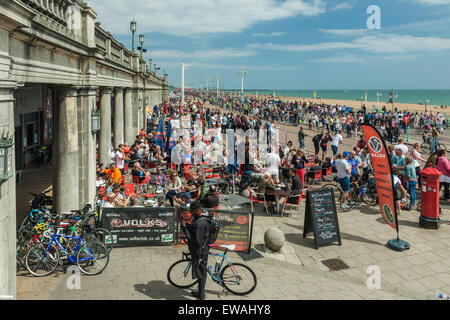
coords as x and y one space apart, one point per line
296 272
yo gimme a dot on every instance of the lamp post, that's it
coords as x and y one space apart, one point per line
218 78
133 30
183 66
426 102
95 119
141 41
207 83
242 74
150 61
378 100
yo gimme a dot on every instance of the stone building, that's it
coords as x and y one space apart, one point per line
58 67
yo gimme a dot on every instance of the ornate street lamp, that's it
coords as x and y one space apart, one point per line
6 157
95 118
133 30
141 41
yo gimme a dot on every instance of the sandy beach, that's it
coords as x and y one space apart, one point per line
357 104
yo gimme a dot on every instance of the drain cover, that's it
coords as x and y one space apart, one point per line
335 264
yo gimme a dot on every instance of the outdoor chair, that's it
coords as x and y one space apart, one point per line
254 198
297 204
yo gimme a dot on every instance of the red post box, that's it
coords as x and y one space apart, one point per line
429 198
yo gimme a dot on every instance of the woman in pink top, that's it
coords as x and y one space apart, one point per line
443 166
415 153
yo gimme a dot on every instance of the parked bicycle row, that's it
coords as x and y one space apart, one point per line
46 240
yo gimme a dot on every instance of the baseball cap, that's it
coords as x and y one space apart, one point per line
346 154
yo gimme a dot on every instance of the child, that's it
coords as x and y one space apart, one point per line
399 191
412 179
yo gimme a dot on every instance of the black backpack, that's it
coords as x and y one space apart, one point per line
214 228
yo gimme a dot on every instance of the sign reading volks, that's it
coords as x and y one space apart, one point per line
140 226
383 174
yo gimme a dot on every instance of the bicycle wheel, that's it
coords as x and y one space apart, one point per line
370 197
238 279
425 147
442 146
92 257
102 235
40 262
180 274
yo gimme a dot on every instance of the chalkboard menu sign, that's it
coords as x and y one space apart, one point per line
140 226
321 217
234 227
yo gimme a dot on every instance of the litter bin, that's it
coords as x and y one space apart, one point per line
429 199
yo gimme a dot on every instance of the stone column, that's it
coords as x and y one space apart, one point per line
87 145
66 169
7 199
140 106
105 127
118 118
146 100
128 117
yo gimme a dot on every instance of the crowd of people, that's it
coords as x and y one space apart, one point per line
271 165
329 124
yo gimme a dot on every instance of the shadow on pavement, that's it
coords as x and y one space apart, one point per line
254 253
308 242
160 290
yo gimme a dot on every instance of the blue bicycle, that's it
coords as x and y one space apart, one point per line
237 278
43 258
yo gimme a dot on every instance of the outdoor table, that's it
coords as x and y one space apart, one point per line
278 194
233 200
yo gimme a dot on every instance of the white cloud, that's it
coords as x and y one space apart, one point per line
377 43
345 32
276 34
341 6
340 59
202 54
272 34
434 2
193 17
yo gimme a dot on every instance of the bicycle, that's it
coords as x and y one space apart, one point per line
43 259
426 145
231 276
360 191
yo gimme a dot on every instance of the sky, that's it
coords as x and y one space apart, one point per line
290 44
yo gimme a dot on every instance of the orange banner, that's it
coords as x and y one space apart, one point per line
383 174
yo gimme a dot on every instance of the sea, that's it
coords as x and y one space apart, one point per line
431 97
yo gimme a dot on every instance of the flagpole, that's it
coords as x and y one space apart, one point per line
392 100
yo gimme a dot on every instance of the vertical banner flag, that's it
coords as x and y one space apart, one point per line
391 95
383 174
158 138
170 143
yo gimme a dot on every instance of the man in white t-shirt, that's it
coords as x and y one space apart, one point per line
273 163
335 142
344 170
401 146
120 160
